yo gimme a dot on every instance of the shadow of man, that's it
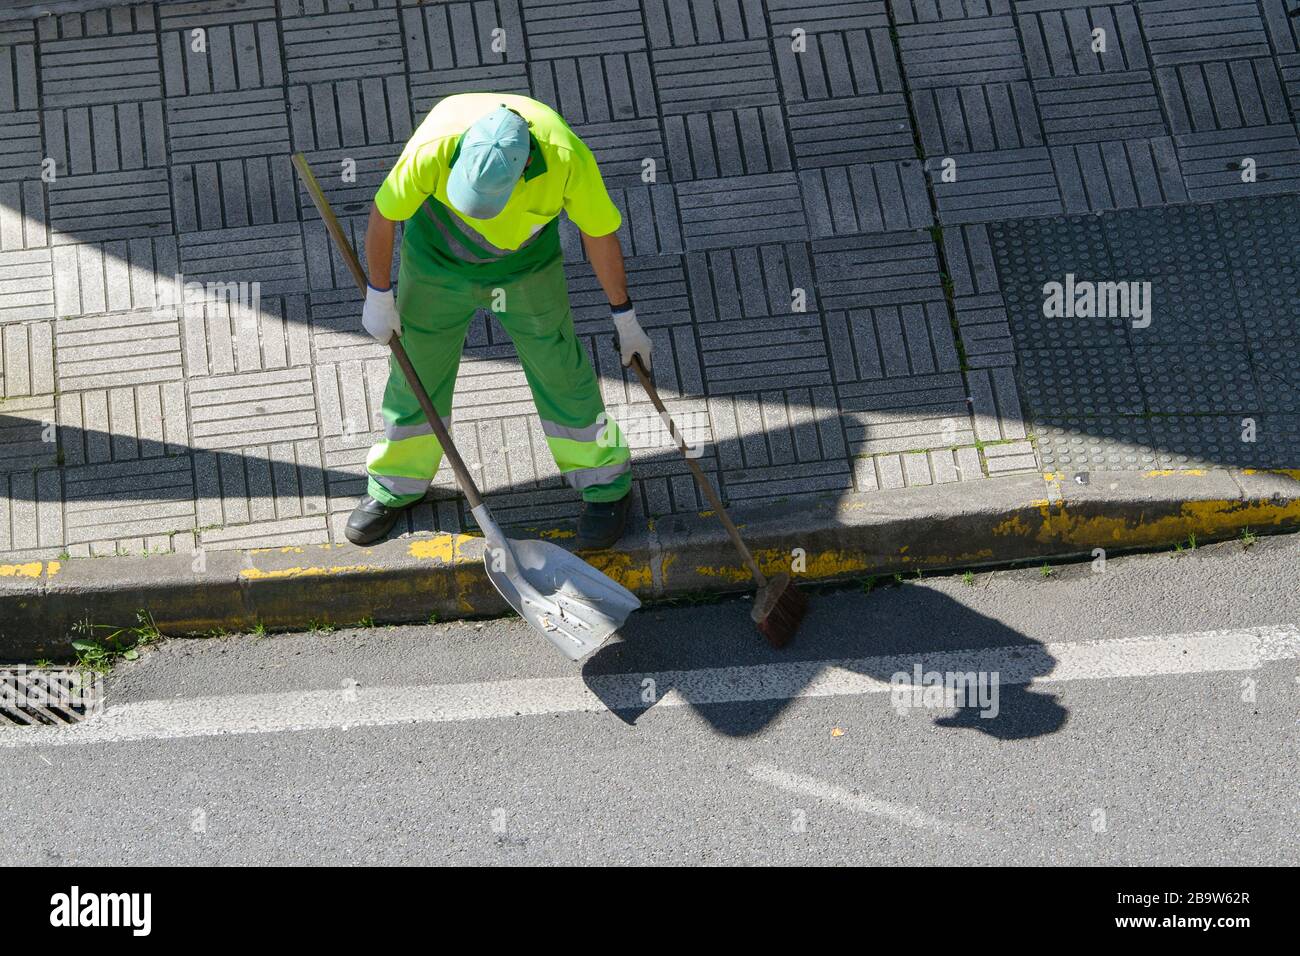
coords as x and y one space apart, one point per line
727 673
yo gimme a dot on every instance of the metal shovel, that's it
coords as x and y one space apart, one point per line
572 604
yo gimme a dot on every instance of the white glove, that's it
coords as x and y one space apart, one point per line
379 315
632 339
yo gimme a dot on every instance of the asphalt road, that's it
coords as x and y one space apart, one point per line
1146 713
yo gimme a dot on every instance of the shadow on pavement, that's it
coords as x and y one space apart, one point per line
877 635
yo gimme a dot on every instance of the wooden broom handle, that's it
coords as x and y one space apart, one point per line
705 485
403 360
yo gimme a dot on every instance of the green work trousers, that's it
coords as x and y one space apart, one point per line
436 307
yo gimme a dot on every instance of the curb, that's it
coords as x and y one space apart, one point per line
942 527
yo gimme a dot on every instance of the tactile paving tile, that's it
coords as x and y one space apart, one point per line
1260 234
1154 242
1196 379
1206 441
1277 370
1269 301
1073 443
1187 307
1088 381
1044 249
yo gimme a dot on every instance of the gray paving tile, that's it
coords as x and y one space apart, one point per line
1089 109
1060 38
271 256
123 424
961 51
350 113
209 127
969 257
746 354
252 408
867 197
21 150
22 216
1200 379
740 142
719 76
26 359
937 11
98 206
1230 94
1001 184
26 435
693 22
891 341
31 513
1032 329
570 27
233 192
89 59
26 285
968 119
597 88
18 74
117 349
837 65
105 138
739 210
881 270
860 129
750 282
1213 162
985 331
1192 31
208 49
1192 307
1098 177
118 276
316 36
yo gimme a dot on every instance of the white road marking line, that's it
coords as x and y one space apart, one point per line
856 802
1194 653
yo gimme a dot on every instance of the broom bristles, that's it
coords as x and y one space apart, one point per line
781 622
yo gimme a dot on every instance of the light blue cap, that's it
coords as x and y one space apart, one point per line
492 156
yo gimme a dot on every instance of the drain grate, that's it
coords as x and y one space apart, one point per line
48 696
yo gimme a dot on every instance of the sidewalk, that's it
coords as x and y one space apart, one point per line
842 226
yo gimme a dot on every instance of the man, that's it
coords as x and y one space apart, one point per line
480 185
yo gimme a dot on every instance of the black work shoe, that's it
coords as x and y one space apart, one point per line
371 520
601 523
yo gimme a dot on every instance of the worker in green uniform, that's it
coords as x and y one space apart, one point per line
479 186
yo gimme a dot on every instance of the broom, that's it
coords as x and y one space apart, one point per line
779 606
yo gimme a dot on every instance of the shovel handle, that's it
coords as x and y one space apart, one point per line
705 485
403 360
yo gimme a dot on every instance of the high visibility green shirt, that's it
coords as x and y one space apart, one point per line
561 175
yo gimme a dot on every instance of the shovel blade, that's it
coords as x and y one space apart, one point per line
564 598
